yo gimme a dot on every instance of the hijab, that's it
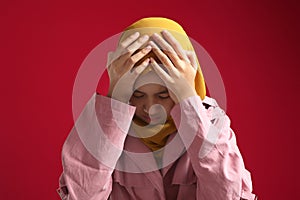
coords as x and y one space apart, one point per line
155 136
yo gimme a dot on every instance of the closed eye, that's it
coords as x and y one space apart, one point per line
164 96
138 94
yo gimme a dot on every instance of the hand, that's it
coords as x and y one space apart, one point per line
121 73
180 65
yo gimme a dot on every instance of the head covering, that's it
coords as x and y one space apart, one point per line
156 25
152 25
147 77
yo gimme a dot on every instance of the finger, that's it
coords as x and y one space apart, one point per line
161 56
166 47
137 44
175 44
138 56
158 69
192 58
139 69
130 39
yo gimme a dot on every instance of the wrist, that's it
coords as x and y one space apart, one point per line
185 95
120 96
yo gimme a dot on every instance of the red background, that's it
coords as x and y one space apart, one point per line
255 46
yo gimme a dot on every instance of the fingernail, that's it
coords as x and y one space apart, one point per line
165 31
145 37
155 34
151 43
148 47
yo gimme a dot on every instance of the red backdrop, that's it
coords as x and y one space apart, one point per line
255 46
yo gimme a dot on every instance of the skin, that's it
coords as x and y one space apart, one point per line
148 96
179 78
181 66
121 70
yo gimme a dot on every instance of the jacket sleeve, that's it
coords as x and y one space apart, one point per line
92 149
211 145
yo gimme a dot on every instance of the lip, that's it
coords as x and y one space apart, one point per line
147 119
153 119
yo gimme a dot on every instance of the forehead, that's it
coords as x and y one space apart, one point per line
148 77
151 88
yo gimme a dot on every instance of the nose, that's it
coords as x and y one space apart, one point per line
152 107
147 104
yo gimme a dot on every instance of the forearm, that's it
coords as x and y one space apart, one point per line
93 147
212 148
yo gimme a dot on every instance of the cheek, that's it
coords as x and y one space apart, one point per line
134 102
138 106
168 106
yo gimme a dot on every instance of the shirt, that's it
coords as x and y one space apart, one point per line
103 159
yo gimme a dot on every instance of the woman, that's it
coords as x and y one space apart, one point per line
159 136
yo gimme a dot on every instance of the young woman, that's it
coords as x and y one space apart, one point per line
156 135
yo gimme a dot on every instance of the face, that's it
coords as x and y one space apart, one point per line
153 103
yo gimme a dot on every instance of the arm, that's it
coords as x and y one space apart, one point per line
211 145
96 142
92 149
214 154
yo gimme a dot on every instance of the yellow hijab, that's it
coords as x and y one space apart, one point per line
156 25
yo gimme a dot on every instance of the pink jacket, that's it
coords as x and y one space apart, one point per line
102 158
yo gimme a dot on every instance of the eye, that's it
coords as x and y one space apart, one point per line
138 95
164 96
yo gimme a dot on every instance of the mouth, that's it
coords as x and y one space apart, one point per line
153 119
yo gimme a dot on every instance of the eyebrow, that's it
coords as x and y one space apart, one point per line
138 92
162 92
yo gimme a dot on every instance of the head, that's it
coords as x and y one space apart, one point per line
152 25
153 103
151 98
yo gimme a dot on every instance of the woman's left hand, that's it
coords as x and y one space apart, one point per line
181 66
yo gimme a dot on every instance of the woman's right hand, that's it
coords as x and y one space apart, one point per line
121 73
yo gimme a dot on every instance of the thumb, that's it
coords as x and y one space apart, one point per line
110 58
